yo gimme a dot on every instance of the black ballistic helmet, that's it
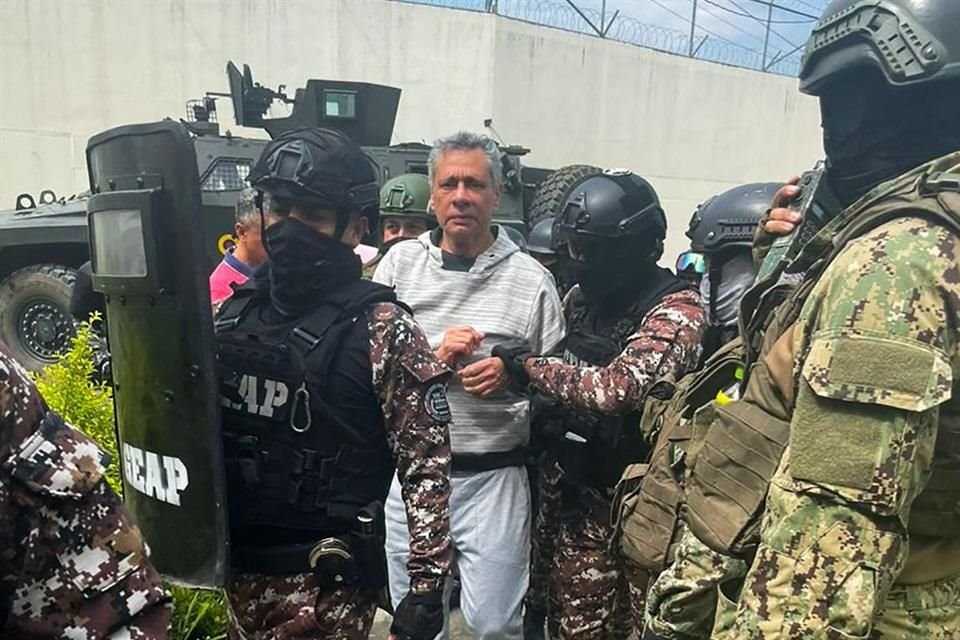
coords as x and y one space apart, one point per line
730 219
321 168
540 239
612 205
909 42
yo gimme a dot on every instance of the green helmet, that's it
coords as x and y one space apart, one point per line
407 195
909 42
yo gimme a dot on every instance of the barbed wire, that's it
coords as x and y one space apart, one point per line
707 45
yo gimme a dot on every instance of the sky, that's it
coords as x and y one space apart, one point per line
731 31
727 19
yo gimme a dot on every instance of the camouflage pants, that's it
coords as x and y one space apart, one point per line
599 594
294 607
546 529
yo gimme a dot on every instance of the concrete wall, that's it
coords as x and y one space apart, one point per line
74 67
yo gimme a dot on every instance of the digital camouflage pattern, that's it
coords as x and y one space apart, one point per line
875 347
295 607
682 601
668 341
598 593
546 530
73 564
410 383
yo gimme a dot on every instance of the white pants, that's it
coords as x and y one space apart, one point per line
490 529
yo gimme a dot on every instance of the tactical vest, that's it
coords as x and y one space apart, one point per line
303 433
745 442
591 448
649 503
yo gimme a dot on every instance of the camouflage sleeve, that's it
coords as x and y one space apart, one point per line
682 602
875 351
668 341
72 561
411 384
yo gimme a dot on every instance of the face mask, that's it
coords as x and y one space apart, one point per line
736 276
305 264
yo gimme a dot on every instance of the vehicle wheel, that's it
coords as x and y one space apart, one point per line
555 189
35 320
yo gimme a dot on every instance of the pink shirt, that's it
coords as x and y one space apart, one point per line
230 271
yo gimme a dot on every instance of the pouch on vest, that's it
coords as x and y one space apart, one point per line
728 482
649 517
863 412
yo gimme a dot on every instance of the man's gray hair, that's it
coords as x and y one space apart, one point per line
247 213
467 141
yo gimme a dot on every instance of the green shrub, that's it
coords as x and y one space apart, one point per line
69 388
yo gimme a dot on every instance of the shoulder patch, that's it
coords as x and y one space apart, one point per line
435 400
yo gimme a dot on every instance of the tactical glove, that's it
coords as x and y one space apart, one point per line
419 616
514 353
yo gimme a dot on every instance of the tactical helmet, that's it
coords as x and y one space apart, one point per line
614 204
407 195
909 41
730 219
318 167
516 237
540 238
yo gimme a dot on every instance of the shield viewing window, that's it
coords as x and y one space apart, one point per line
119 249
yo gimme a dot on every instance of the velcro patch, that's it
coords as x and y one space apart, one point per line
895 373
436 403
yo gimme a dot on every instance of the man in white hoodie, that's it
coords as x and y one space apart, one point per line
471 288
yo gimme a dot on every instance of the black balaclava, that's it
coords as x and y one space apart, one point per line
873 132
305 265
611 270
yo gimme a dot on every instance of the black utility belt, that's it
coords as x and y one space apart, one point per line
477 462
353 558
283 559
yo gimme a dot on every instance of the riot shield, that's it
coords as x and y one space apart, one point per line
149 262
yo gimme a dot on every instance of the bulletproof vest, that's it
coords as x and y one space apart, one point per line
303 432
742 448
649 503
593 449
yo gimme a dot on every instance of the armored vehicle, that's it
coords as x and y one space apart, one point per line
43 242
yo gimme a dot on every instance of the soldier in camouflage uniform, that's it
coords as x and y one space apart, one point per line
72 562
629 324
404 213
853 379
351 386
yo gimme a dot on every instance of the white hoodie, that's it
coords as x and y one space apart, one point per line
505 295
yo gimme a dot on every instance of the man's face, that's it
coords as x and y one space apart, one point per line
463 194
402 227
325 221
250 238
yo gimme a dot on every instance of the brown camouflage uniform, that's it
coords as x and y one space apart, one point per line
294 606
72 562
598 594
546 531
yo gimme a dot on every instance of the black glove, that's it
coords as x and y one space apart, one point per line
419 616
514 353
533 622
